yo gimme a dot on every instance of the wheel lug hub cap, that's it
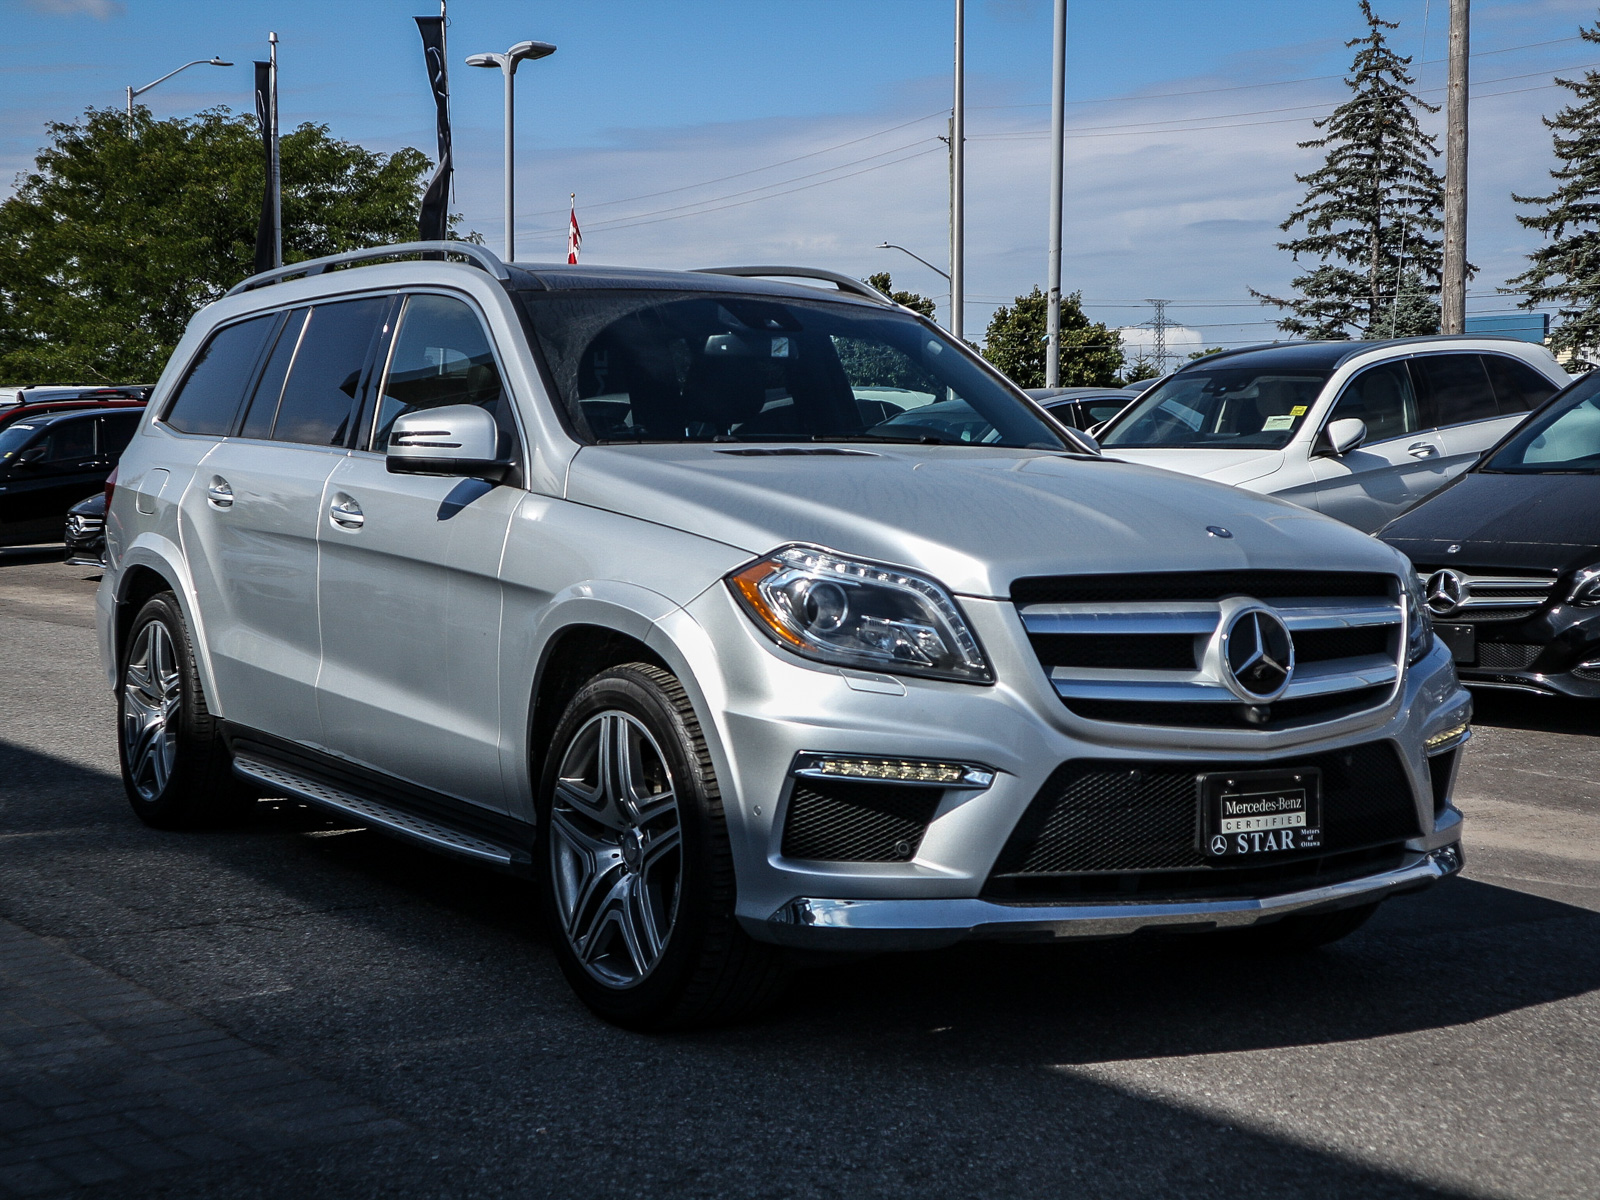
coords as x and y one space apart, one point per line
632 849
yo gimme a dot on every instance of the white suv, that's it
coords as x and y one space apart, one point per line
632 582
1358 430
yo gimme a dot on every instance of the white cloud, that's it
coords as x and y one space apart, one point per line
100 10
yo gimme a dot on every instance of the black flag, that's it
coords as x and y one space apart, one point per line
435 201
264 247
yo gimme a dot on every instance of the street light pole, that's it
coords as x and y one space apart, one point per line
1058 124
958 127
507 63
892 246
213 61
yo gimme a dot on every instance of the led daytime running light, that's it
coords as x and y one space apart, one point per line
895 770
1440 740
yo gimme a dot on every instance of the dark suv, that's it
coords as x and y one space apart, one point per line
52 459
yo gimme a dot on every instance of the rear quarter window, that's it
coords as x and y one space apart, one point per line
1517 386
208 398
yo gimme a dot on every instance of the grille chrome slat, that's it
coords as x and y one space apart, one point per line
1098 641
1493 597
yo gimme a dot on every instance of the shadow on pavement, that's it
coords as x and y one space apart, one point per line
926 1073
21 556
1548 714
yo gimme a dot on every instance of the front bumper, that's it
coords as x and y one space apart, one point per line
823 924
1565 644
765 710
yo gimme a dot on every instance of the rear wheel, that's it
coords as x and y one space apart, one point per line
175 768
637 874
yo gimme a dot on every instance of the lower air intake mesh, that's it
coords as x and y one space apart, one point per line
841 821
1094 816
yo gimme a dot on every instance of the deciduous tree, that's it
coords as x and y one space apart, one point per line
120 233
1091 352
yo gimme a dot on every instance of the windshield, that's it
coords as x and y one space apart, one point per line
14 438
691 367
1239 408
1565 437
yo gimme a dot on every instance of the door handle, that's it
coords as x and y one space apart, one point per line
345 512
1422 450
219 494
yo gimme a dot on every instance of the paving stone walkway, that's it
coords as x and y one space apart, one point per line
100 1080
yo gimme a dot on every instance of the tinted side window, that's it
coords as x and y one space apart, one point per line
441 356
1383 399
1517 386
115 434
209 396
264 404
68 443
1455 389
319 398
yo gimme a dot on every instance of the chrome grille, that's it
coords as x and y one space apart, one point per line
1490 596
1144 649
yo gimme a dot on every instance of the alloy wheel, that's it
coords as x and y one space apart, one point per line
616 848
152 694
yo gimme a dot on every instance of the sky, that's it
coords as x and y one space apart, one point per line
705 132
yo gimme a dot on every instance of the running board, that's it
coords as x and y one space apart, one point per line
388 818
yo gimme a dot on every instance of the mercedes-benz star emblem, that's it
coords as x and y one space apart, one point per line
1445 592
1219 844
1258 653
1217 531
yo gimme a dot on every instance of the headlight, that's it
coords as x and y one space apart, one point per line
1419 622
1586 588
859 614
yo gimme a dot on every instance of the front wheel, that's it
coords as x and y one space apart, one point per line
175 768
637 876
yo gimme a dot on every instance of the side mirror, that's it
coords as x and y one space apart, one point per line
460 440
31 456
1342 436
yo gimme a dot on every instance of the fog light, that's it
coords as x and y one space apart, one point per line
1448 858
894 770
1450 738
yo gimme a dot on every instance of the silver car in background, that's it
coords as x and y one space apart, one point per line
1358 430
748 617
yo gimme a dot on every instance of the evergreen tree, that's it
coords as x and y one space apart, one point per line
116 237
1566 269
1371 213
1091 352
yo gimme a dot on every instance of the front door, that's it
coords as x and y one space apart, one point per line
46 476
410 587
1401 461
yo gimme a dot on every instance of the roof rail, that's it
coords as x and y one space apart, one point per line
843 282
483 257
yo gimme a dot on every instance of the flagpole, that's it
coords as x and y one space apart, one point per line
275 175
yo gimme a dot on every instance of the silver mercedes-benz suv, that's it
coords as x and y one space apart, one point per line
747 616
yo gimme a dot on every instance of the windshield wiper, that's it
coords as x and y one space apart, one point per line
920 439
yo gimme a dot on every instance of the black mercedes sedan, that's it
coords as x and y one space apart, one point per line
1509 553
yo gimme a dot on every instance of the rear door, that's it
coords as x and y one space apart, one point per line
250 517
1400 462
1518 389
1455 391
410 587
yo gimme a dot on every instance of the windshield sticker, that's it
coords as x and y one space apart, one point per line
1299 410
1282 421
780 347
1184 413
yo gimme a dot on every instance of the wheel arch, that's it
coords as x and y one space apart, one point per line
143 572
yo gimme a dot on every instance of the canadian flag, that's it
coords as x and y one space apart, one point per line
574 234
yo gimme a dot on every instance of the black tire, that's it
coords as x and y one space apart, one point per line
1297 935
703 969
175 768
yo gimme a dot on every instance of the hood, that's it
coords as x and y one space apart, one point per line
1225 466
1526 522
974 518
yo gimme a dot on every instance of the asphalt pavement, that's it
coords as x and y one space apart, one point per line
294 1008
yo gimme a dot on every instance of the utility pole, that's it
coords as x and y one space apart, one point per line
275 175
1159 324
1058 124
958 122
1453 291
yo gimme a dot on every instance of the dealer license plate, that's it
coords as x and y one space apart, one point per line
1462 640
1245 813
